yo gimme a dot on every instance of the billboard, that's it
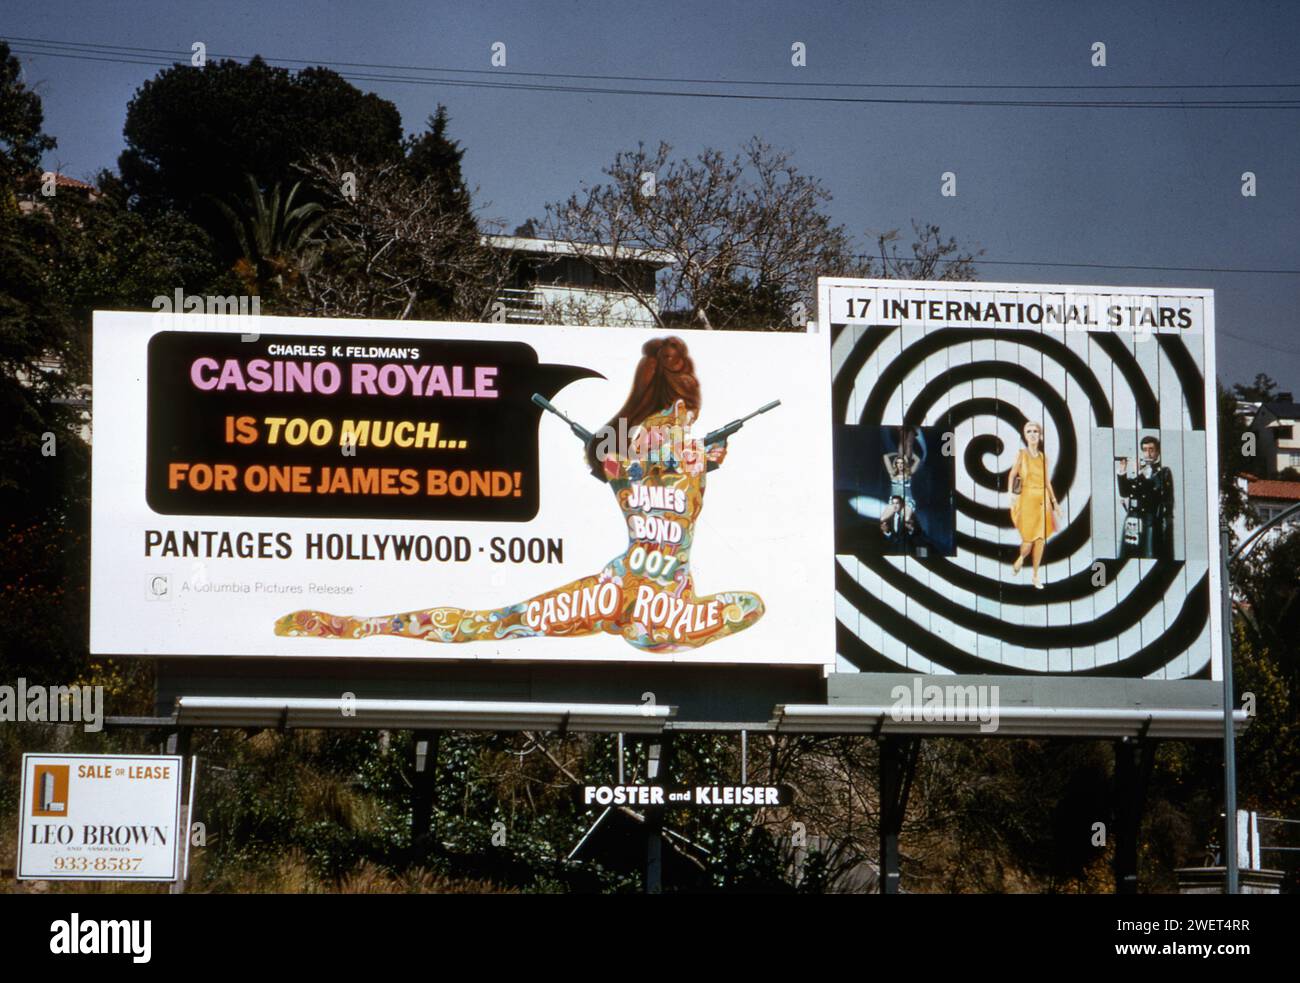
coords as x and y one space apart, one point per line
99 817
1026 478
418 490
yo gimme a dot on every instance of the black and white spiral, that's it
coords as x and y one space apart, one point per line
968 613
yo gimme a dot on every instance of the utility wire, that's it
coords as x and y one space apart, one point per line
83 55
95 46
1102 266
1257 344
973 261
133 55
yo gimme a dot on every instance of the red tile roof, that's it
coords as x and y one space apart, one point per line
1289 490
36 178
63 181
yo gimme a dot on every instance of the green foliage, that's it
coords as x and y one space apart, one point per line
58 262
1262 390
112 257
741 304
43 483
434 157
193 133
273 230
37 334
333 797
1232 458
22 140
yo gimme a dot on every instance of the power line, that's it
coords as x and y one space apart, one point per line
99 47
1257 344
1126 266
82 55
974 261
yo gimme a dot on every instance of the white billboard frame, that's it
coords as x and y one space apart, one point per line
829 289
120 452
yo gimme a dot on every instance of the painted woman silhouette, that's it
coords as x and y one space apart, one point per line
646 594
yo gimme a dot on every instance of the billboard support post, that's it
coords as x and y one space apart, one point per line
897 766
1230 860
1134 757
182 740
1229 737
424 788
656 773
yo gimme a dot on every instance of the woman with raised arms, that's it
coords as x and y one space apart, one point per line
647 593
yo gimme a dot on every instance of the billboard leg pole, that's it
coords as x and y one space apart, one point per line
1229 736
657 758
424 789
897 766
182 739
1133 761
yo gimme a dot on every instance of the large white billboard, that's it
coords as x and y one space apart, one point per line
408 490
1026 478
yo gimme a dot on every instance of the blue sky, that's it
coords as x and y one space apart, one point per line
1144 187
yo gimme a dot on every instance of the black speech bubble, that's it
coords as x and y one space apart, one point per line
188 425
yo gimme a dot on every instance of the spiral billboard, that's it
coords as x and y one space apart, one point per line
1026 478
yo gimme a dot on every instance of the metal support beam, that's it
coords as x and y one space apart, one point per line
657 756
1226 559
1231 862
897 768
180 743
424 786
1133 761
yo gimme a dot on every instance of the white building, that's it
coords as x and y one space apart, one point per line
555 282
1276 426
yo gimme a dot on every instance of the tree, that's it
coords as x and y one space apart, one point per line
1262 390
36 332
393 245
58 262
751 224
43 484
1233 460
434 157
933 257
747 237
1268 582
22 141
530 228
192 134
274 232
111 256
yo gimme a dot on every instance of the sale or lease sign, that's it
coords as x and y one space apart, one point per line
99 817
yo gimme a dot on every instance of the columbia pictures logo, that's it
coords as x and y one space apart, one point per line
50 795
158 587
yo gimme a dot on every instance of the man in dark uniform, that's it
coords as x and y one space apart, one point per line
901 527
1148 531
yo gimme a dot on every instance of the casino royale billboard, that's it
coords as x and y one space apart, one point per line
361 489
1026 478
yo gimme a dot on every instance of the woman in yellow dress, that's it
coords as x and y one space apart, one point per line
1034 509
